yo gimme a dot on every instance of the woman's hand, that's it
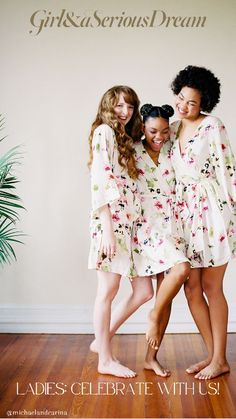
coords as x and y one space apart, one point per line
108 246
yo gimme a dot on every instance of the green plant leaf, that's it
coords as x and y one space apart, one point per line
9 202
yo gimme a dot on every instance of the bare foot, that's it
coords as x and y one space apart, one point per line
116 369
198 366
152 335
154 365
93 347
213 370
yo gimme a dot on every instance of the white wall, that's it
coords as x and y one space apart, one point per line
50 87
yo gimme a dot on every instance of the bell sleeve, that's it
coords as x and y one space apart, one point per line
104 188
223 161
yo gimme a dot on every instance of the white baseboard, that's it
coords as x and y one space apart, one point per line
78 319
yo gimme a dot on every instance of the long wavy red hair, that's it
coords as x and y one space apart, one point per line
125 136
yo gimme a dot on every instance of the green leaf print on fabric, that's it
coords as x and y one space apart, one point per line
211 232
133 272
228 161
149 169
151 183
122 245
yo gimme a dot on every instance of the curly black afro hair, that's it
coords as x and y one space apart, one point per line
201 79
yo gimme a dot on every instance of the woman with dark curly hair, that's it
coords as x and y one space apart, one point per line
206 205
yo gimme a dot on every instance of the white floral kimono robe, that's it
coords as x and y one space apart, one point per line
111 184
206 193
156 244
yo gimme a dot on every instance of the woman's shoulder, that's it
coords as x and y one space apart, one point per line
175 123
104 129
139 149
138 145
212 121
174 126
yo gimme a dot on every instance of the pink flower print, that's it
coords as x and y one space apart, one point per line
180 204
111 176
166 172
107 168
148 230
161 261
193 234
169 201
141 172
191 161
205 208
142 198
135 239
194 188
160 242
158 205
115 217
223 146
222 237
94 235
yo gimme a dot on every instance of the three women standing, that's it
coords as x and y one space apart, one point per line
135 231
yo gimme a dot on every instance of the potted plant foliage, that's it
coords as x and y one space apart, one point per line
9 202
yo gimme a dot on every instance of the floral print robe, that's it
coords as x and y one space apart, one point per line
111 185
206 193
156 244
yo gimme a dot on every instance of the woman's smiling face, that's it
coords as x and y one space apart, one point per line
188 103
123 110
156 131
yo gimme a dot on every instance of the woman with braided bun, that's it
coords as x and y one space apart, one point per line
157 248
206 206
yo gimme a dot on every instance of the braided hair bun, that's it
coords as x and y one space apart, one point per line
146 109
150 111
168 110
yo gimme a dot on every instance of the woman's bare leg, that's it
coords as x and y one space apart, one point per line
212 282
169 287
142 291
200 312
108 285
151 361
